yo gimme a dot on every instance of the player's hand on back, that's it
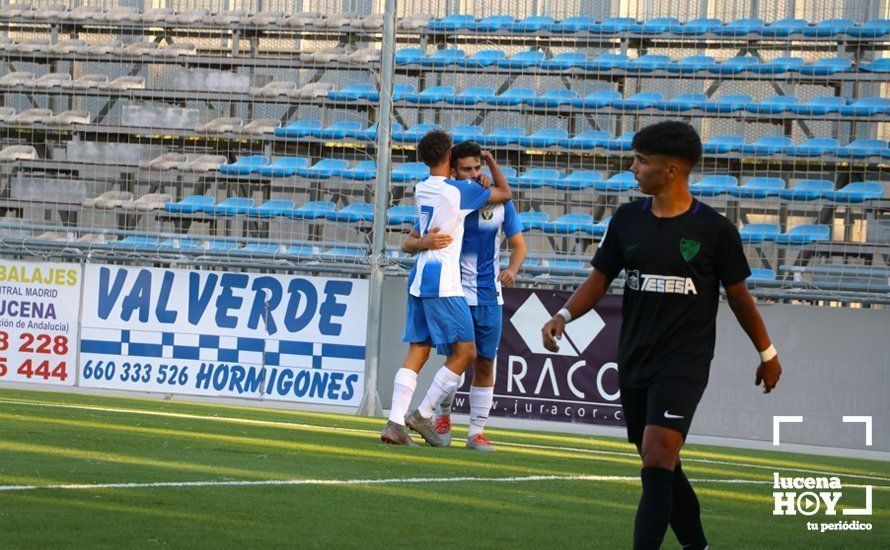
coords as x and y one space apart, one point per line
768 373
434 240
507 277
552 332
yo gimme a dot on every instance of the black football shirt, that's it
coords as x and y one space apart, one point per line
673 268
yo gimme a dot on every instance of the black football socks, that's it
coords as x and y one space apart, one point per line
654 510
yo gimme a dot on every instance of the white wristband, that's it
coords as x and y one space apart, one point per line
768 354
564 313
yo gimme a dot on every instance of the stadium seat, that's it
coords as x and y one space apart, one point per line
304 251
298 128
552 98
402 215
411 171
814 147
356 212
535 178
371 133
354 92
773 105
221 246
545 137
619 182
712 186
682 102
570 223
874 28
613 25
692 64
867 106
471 96
433 94
740 27
857 191
639 101
262 248
657 25
572 24
230 207
502 136
244 166
484 58
862 148
533 220
807 190
607 62
409 56
467 133
363 171
819 106
453 22
190 204
283 168
825 66
564 61
312 210
151 243
758 188
589 139
779 65
340 130
878 66
492 23
784 27
734 65
829 28
805 234
180 244
696 27
513 96
567 266
524 60
760 232
597 100
648 63
414 133
761 275
728 104
723 144
508 172
765 146
443 58
577 181
343 253
621 143
530 24
271 209
323 169
600 227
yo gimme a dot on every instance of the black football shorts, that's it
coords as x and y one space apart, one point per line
669 402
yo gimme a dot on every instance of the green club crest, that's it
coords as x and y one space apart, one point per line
689 248
487 214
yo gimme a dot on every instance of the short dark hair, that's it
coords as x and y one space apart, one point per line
434 147
463 150
671 138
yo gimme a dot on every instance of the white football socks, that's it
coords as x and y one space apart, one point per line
445 405
480 406
444 383
402 391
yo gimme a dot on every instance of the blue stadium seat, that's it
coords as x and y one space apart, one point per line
570 223
682 102
572 24
244 166
814 147
613 25
858 191
696 27
533 220
807 190
874 28
657 25
621 143
545 137
564 61
453 22
692 64
261 248
365 170
567 265
371 133
867 106
356 212
758 188
784 27
638 101
343 253
530 24
734 65
535 178
712 186
600 227
597 100
312 210
508 172
619 182
740 27
323 169
298 128
190 204
283 168
414 133
466 133
878 66
805 234
302 251
402 215
728 104
443 58
648 63
819 106
862 148
779 65
829 28
401 91
552 98
502 136
151 243
492 23
513 96
577 181
589 139
471 96
354 92
221 246
410 171
339 130
181 244
727 143
773 105
433 94
761 275
270 209
408 56
760 232
524 60
230 207
825 66
484 58
607 62
765 146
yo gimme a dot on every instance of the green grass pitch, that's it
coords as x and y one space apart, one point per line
215 468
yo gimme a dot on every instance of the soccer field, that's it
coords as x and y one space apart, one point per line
89 471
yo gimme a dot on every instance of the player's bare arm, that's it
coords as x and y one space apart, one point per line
507 277
742 305
434 240
500 189
585 298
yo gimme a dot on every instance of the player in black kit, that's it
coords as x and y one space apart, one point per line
675 252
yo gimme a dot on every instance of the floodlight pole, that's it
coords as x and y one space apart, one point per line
370 405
